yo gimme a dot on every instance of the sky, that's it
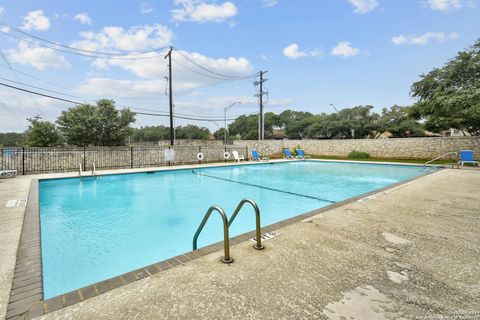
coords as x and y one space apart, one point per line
316 52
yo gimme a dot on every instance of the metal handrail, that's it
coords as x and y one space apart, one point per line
94 171
226 243
442 156
258 246
79 168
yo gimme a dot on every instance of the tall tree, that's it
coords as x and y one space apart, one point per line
449 97
294 123
100 125
12 139
42 133
192 132
397 121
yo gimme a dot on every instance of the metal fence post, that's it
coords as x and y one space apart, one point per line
23 160
84 158
131 157
224 153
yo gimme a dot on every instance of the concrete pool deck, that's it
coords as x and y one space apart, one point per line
413 250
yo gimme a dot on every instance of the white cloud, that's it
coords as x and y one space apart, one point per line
35 20
444 5
344 49
83 18
2 11
293 52
424 38
269 3
137 38
152 73
201 11
363 6
37 57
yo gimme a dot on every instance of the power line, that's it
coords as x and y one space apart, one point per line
97 56
33 77
77 103
203 74
204 116
214 72
39 88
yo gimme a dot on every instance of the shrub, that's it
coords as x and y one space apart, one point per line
358 155
295 150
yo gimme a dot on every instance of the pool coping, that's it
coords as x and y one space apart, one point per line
26 295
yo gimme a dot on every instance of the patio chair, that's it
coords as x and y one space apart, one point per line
301 155
8 173
287 154
467 156
257 157
237 157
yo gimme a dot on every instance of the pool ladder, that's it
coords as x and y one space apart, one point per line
226 225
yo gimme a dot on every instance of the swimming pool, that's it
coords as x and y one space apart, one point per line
93 229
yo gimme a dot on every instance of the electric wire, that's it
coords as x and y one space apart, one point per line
78 49
211 71
203 74
97 56
142 113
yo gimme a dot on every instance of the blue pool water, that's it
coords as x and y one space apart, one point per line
95 229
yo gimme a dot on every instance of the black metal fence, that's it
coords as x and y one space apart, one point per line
34 160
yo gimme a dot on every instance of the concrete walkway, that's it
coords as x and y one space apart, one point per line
413 250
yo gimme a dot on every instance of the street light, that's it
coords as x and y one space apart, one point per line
225 120
334 107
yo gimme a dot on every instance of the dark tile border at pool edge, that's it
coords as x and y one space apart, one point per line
27 286
30 301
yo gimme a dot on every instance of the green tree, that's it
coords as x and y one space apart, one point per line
449 97
397 121
100 125
192 132
42 133
361 119
294 123
246 127
12 139
220 134
151 133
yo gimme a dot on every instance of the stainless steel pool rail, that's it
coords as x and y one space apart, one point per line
258 245
443 156
226 242
226 226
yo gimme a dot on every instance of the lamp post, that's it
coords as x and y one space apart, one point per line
225 120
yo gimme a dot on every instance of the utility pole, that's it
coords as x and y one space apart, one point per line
170 97
261 122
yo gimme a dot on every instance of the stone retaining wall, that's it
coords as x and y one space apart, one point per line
43 160
397 148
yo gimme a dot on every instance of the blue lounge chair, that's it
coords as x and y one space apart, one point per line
301 155
287 154
467 156
257 157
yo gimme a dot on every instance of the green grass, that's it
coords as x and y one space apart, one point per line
417 161
420 161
